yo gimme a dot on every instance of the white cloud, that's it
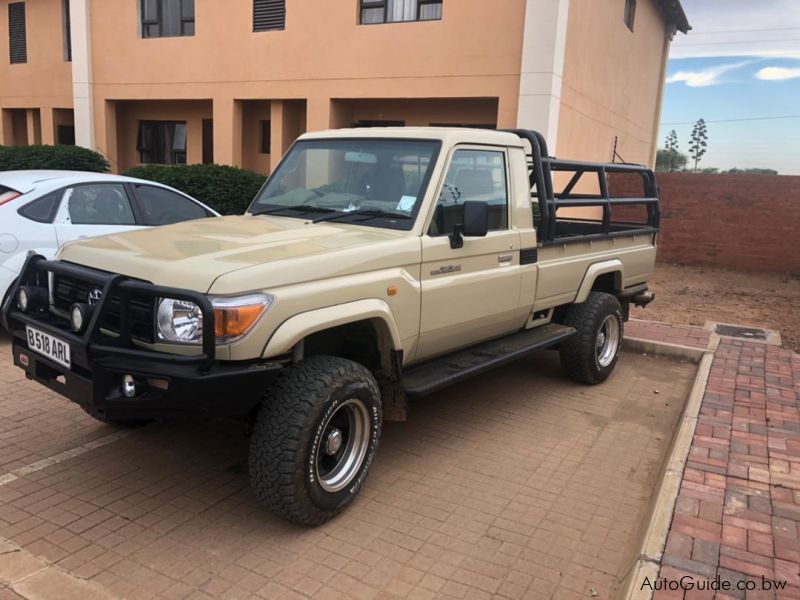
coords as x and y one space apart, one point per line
705 77
777 74
765 28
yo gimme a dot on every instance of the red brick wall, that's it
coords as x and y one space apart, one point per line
737 221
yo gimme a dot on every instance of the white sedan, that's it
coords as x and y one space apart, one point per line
42 210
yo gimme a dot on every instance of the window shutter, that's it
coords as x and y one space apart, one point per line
269 15
17 38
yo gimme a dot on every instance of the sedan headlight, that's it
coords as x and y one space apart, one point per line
181 321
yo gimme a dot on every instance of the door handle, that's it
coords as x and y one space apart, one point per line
505 260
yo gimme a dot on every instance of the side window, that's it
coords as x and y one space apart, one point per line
473 175
41 210
163 207
99 204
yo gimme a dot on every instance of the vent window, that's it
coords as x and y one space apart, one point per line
17 36
269 15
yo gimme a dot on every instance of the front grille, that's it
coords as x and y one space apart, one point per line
68 290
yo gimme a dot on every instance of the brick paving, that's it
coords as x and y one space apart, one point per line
737 515
683 335
517 484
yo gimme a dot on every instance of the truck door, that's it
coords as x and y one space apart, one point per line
470 294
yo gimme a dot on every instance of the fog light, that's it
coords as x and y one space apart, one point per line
22 300
79 316
31 299
129 386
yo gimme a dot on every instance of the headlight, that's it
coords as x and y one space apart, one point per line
181 321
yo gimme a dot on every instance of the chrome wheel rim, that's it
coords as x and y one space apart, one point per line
343 445
607 342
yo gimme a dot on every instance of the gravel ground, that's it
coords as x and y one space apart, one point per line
694 295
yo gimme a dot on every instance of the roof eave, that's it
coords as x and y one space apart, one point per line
673 11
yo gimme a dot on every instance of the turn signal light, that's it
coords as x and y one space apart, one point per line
235 317
235 322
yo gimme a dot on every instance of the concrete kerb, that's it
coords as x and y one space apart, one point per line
662 505
665 349
35 579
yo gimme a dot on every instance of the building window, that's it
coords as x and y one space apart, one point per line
66 135
398 11
465 125
17 36
378 123
266 136
67 25
269 15
167 18
630 13
162 142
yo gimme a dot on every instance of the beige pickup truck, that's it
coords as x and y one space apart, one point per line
375 265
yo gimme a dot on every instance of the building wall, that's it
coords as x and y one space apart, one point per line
484 63
727 220
45 81
322 55
612 81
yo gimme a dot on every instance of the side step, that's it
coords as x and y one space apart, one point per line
441 372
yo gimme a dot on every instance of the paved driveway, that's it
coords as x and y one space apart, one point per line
517 483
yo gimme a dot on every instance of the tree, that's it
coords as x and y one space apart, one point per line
673 154
699 142
668 160
750 171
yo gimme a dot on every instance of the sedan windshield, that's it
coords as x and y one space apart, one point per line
365 181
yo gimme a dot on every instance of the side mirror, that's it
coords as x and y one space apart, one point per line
476 223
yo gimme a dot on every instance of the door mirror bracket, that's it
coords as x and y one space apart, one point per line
457 238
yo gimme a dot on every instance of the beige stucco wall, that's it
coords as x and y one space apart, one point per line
45 81
325 70
612 81
323 54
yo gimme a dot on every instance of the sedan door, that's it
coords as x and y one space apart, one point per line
161 206
94 209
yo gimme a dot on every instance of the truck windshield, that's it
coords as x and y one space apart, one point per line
376 182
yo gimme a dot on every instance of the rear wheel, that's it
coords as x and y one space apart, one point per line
315 438
591 355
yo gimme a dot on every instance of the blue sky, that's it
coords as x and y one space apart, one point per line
739 69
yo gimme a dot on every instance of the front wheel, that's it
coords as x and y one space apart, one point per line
591 355
315 438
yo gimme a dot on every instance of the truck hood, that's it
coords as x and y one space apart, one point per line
196 254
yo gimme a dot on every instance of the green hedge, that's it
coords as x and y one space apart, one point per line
70 158
227 190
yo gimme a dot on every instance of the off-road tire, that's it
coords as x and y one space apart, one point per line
288 434
579 353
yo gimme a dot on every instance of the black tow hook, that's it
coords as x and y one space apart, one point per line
642 299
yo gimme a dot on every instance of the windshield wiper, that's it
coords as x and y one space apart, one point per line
367 213
304 208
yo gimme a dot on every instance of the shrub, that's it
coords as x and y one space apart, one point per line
70 158
227 190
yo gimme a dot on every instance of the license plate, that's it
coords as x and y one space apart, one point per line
49 346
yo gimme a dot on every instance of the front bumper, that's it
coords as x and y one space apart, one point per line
168 385
230 390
